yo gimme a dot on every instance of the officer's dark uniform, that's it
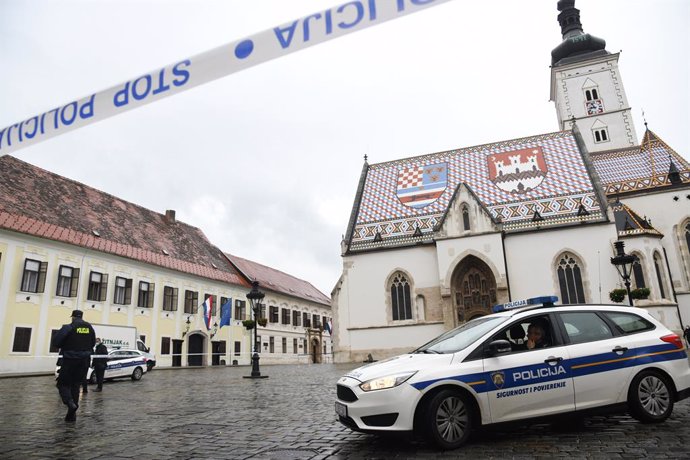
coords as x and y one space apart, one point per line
100 364
76 341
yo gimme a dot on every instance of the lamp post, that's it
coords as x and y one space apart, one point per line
255 296
623 263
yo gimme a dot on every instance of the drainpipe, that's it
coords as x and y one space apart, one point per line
505 264
673 289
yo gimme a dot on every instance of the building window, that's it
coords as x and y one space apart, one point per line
274 314
601 135
123 291
570 280
53 349
294 346
68 280
238 348
638 274
213 298
465 217
305 320
22 339
284 344
591 94
240 309
165 345
223 301
400 298
296 318
98 286
271 345
285 316
146 291
659 274
262 311
170 298
316 321
191 302
34 276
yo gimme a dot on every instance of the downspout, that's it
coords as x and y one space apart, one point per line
673 288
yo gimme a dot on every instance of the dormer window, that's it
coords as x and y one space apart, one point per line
600 132
593 103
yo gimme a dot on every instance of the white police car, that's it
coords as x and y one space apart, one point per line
122 363
589 358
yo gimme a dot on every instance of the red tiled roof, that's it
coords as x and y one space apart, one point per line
275 280
36 202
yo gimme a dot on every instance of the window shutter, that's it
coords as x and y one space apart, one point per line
74 284
174 299
104 287
128 291
152 289
42 277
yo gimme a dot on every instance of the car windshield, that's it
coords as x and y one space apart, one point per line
462 336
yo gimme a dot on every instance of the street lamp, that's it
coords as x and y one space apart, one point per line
623 263
188 324
215 329
255 297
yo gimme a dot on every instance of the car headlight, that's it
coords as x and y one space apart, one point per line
388 381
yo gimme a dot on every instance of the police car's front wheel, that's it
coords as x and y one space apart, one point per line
138 372
650 397
448 419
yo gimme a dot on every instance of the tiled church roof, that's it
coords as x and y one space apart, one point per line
275 280
524 183
639 168
629 223
36 202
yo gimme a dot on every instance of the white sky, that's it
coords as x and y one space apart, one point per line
266 162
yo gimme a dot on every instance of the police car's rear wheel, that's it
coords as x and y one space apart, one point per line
137 373
650 398
448 419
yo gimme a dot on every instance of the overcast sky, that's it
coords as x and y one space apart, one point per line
266 161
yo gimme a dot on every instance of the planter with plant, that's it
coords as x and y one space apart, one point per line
617 295
262 322
640 293
248 323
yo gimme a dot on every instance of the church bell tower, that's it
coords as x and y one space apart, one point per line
586 86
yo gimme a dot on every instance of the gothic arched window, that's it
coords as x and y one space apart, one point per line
400 298
658 268
465 217
638 274
687 235
570 280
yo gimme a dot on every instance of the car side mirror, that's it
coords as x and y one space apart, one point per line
499 347
148 349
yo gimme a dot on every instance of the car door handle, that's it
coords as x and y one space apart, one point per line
620 349
553 360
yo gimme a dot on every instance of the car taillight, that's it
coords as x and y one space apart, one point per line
673 339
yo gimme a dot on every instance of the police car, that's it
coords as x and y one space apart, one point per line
122 363
530 359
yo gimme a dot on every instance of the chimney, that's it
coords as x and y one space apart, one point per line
170 216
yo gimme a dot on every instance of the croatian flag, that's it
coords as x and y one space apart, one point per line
328 326
226 313
208 304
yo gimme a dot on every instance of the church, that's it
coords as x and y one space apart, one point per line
438 239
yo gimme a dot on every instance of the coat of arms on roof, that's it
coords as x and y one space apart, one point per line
518 171
419 186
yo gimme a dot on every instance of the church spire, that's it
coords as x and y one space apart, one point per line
576 43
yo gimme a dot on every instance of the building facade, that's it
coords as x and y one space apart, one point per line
436 240
67 246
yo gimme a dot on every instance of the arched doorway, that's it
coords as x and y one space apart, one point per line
474 289
195 350
315 351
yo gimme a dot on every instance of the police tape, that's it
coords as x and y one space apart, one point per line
211 65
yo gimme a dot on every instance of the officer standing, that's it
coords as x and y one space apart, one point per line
99 364
76 341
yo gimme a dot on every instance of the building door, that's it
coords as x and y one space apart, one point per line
195 350
218 350
474 287
177 352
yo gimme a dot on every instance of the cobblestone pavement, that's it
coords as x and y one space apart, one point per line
215 413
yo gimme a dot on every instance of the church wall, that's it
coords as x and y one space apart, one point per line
669 216
362 304
532 259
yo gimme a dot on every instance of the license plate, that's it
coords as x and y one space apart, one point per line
341 409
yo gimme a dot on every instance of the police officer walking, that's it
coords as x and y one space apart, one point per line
76 341
99 364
